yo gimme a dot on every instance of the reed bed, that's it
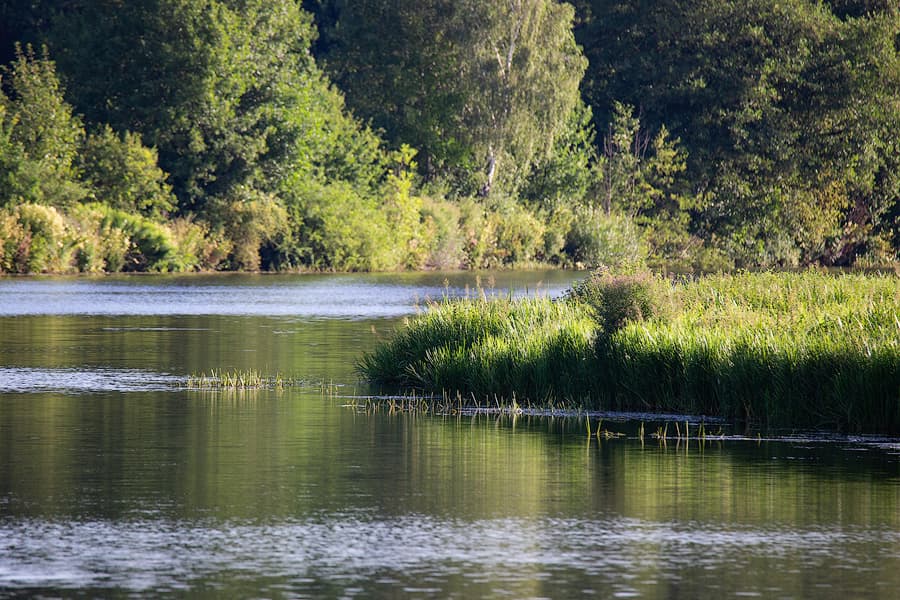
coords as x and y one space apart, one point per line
803 350
536 349
239 380
783 350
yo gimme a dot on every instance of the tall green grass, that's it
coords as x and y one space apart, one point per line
775 350
795 350
536 349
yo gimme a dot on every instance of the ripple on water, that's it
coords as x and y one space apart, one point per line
84 379
418 551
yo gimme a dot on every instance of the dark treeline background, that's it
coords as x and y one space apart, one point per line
394 134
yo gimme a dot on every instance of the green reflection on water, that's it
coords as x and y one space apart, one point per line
315 349
267 457
268 454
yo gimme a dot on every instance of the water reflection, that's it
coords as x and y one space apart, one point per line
75 381
34 347
288 493
301 296
355 555
115 481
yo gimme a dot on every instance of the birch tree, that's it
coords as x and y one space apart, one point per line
523 74
482 89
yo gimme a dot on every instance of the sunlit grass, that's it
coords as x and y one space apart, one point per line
239 380
779 350
537 349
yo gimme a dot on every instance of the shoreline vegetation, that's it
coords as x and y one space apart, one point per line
769 350
324 135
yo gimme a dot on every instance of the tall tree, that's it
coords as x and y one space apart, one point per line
225 90
39 134
205 92
524 70
784 108
481 88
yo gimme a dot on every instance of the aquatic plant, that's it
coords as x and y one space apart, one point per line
239 380
779 350
537 349
809 350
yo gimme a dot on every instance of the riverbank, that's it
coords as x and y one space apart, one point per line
806 350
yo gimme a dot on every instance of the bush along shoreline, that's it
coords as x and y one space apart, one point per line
768 350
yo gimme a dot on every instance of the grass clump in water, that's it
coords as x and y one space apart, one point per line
238 380
777 350
782 350
534 348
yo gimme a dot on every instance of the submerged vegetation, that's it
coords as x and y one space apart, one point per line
808 350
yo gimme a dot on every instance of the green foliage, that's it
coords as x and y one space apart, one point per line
441 234
336 228
522 76
49 166
230 98
251 222
13 244
641 177
150 246
483 89
598 239
732 132
34 240
39 135
124 174
778 350
403 212
93 238
400 70
517 236
100 244
764 97
569 174
616 300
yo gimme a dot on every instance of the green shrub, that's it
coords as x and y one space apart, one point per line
558 223
502 234
99 245
40 243
335 228
123 173
14 244
519 234
441 234
197 245
598 239
403 212
250 221
477 232
40 138
124 242
616 300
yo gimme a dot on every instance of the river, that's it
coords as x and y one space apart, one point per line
118 481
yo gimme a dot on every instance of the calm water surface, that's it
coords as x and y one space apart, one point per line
117 481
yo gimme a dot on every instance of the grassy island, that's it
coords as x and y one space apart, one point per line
807 350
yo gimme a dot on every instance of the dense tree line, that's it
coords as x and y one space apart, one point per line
386 134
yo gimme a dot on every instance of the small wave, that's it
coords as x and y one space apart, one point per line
23 380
